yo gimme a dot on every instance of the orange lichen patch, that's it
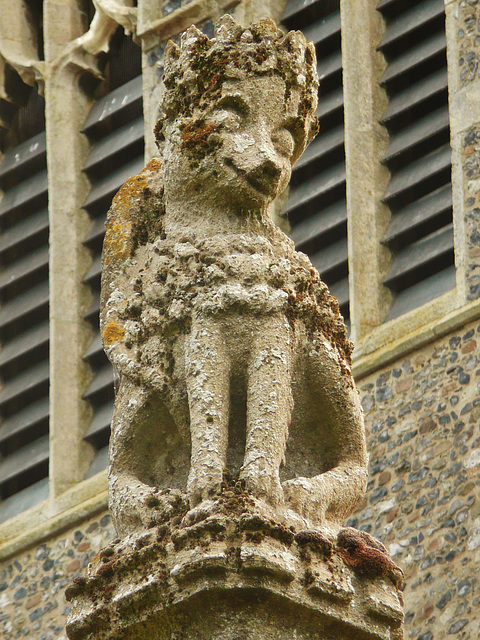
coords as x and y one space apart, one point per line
117 241
113 332
131 189
155 164
118 237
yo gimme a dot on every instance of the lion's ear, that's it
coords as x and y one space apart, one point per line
148 222
136 215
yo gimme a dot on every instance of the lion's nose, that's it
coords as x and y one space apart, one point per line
270 170
265 176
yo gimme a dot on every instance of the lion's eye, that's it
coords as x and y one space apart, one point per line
228 118
231 110
284 142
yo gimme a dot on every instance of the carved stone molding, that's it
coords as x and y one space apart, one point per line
121 11
19 42
82 52
254 577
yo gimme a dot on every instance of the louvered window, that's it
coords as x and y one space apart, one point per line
420 235
24 312
316 207
115 129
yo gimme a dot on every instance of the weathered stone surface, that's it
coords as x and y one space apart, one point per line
32 584
230 349
471 173
255 578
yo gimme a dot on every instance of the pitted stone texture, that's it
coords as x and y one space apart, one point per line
471 175
467 15
230 349
32 584
422 415
255 579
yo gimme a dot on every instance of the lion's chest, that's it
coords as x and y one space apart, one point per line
184 279
173 283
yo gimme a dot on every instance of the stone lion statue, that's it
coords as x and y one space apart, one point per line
231 351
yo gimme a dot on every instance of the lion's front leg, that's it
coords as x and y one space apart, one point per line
269 408
208 386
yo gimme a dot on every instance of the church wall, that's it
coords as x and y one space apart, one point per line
422 418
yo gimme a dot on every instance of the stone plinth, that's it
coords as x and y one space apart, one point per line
235 576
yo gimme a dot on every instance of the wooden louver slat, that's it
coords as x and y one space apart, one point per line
113 104
24 329
12 277
420 217
27 158
115 129
321 30
330 104
24 233
19 310
415 96
101 383
18 197
295 7
412 181
27 458
19 348
97 433
417 55
419 256
330 65
118 141
307 231
33 417
422 132
416 18
25 386
420 235
331 141
316 192
316 207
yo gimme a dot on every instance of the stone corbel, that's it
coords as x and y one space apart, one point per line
4 95
5 98
83 51
121 11
19 43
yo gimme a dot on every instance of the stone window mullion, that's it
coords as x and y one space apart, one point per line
365 143
463 32
67 104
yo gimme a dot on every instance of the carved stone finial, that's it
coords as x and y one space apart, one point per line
231 351
238 444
